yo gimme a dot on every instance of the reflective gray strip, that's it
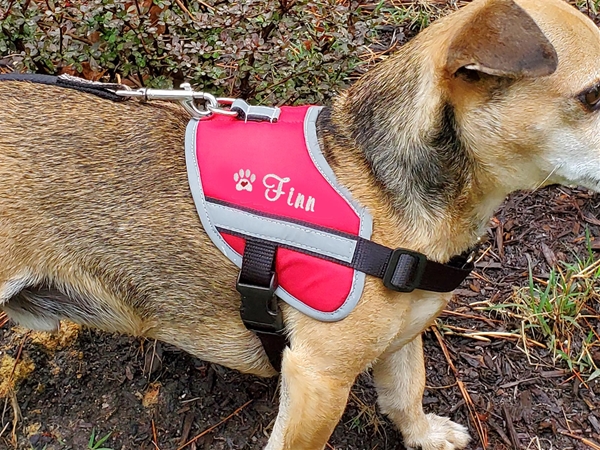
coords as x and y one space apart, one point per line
282 232
202 206
312 143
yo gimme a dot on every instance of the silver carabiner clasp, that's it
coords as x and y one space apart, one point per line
186 96
190 99
190 104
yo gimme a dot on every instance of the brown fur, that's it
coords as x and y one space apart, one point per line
97 223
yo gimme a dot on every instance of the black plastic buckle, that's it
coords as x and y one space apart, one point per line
416 273
260 310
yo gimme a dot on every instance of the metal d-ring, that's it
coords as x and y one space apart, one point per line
219 110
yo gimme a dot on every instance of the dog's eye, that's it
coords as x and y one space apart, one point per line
591 98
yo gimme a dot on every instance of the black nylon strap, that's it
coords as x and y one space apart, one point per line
103 90
371 258
274 345
258 262
31 77
374 259
445 277
260 312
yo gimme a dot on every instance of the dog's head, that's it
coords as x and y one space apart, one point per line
524 79
499 96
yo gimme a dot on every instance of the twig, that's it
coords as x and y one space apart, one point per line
7 12
485 335
481 431
13 395
4 429
18 357
448 386
16 414
4 409
511 428
483 255
467 335
78 38
208 430
583 440
188 421
566 420
481 277
187 11
524 338
3 319
151 361
330 446
190 400
500 433
487 320
155 441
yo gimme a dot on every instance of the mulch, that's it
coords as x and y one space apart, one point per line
519 396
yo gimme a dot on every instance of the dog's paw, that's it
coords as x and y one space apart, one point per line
442 434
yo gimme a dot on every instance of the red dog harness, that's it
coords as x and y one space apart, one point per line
270 182
270 202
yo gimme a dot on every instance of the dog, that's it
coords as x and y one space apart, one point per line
98 225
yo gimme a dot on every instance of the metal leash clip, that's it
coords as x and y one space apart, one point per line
212 105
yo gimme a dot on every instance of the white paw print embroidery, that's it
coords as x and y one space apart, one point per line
244 180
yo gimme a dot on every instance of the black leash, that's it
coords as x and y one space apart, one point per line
103 90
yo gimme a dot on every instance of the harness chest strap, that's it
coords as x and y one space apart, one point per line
401 270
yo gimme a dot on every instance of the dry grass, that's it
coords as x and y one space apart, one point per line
366 417
561 311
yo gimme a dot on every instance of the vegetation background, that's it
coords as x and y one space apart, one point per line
270 51
516 356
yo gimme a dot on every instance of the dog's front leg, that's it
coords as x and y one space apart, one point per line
313 398
400 381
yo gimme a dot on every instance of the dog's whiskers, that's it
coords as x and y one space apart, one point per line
543 182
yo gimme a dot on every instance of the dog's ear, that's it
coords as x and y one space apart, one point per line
502 40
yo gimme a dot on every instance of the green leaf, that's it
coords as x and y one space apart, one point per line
594 375
104 439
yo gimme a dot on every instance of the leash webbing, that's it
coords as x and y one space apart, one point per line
103 90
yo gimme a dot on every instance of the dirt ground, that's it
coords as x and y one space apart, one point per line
140 391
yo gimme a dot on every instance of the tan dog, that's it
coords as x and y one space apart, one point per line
97 223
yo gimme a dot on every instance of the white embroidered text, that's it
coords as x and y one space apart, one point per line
274 192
